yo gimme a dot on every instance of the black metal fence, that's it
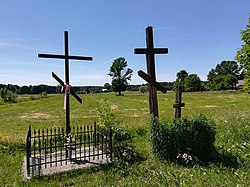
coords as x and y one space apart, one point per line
48 148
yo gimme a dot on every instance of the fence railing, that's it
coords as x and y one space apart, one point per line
48 148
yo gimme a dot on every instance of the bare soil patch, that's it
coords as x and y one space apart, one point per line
38 115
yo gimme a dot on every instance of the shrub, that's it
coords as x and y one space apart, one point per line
183 139
8 96
123 146
39 96
143 89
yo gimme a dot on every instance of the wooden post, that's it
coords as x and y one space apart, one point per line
150 77
28 151
178 101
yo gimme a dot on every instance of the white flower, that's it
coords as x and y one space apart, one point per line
178 156
190 157
185 156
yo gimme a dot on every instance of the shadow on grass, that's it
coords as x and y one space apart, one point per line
228 160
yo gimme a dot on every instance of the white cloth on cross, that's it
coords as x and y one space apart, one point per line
66 89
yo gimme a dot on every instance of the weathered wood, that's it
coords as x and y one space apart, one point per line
150 81
150 51
178 101
66 57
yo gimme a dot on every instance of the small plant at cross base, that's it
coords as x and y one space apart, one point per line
123 147
185 141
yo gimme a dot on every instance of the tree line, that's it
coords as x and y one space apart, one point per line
224 76
37 89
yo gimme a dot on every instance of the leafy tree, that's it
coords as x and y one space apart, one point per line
224 76
24 90
243 56
143 89
180 77
8 95
120 75
13 88
230 81
192 83
107 86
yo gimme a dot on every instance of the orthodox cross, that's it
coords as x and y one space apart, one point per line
66 85
178 104
150 77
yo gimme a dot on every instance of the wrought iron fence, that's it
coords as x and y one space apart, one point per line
48 148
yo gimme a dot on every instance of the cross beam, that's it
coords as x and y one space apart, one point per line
150 77
150 81
178 101
66 58
63 84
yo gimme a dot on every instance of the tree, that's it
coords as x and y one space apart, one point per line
224 76
107 86
143 89
227 67
181 75
8 95
120 75
192 83
24 90
243 56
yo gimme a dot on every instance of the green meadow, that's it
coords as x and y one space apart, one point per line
229 109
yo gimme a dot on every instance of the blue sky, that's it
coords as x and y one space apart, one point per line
199 34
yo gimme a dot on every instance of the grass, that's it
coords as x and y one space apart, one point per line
230 110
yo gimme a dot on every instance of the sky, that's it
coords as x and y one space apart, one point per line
199 35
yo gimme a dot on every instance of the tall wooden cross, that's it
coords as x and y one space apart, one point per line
178 101
66 85
150 77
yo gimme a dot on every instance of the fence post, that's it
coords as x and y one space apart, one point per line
111 146
28 150
95 134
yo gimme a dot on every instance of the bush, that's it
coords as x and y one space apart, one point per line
39 96
123 146
184 140
143 89
8 96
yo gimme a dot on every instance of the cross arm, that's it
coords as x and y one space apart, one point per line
149 51
62 84
63 57
147 78
76 96
57 78
178 105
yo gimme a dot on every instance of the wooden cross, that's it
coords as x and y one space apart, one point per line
150 77
66 85
178 104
